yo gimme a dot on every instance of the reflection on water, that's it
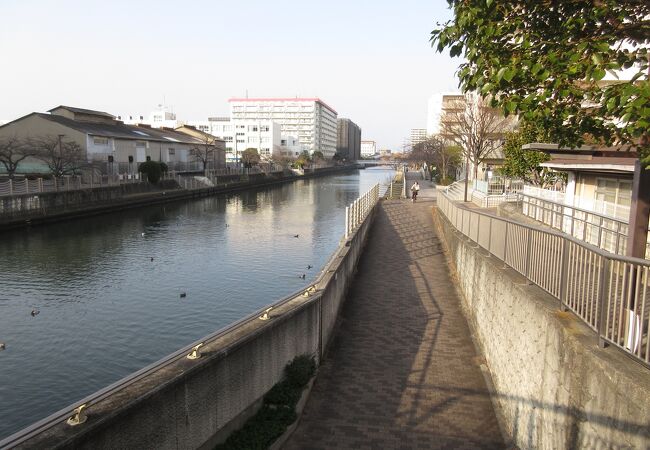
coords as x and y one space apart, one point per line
108 287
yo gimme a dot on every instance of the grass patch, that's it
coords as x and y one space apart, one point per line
278 410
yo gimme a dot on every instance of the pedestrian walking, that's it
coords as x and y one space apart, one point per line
415 189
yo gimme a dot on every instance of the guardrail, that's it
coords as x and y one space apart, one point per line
325 291
605 232
359 209
610 293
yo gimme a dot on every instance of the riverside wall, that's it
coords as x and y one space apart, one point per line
553 387
187 404
34 209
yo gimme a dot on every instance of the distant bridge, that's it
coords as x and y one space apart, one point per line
364 163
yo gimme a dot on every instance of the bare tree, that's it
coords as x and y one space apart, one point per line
475 127
61 157
205 150
12 152
436 152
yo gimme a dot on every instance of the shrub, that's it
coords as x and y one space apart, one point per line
300 370
278 410
164 168
152 169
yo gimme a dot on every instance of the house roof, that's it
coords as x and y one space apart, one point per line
120 130
83 111
555 149
607 164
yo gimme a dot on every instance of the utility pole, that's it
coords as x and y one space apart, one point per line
60 168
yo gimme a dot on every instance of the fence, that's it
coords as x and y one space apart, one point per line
605 232
608 292
498 186
65 183
357 212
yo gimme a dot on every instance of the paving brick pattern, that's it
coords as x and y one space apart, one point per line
402 371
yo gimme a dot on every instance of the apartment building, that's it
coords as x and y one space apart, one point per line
240 134
417 135
368 148
310 122
348 143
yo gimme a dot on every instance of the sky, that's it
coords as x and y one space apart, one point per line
369 60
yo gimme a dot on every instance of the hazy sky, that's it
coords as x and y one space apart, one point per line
369 60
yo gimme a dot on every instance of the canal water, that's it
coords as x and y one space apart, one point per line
108 289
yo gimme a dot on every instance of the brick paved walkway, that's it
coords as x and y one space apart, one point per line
402 371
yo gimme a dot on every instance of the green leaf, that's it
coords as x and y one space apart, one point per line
598 74
509 74
488 3
501 72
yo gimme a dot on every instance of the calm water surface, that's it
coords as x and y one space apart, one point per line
106 309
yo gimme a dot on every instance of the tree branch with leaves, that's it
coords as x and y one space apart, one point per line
546 60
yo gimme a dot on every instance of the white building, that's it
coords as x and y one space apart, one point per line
308 121
417 135
159 118
262 135
368 148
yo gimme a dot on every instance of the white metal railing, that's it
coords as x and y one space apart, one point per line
610 293
357 212
499 185
65 183
606 232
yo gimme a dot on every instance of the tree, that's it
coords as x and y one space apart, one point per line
545 60
475 127
436 153
317 155
250 157
303 159
205 150
61 157
153 170
12 152
525 164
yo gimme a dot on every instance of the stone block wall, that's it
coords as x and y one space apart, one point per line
554 388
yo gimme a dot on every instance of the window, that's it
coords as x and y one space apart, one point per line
172 152
100 140
228 138
229 149
241 141
252 139
227 128
265 140
283 142
240 134
264 128
252 128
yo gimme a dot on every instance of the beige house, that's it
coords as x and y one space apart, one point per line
217 146
108 143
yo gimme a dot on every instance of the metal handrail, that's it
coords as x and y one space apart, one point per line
567 219
59 416
356 213
610 293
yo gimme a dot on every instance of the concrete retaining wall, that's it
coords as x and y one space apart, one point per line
186 404
33 209
553 387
